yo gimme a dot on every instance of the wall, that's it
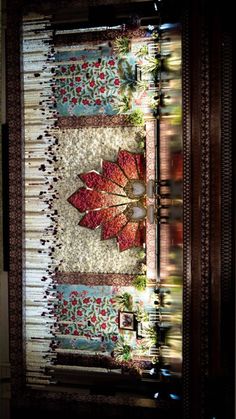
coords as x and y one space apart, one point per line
4 339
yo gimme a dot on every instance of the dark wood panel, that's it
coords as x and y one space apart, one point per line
208 357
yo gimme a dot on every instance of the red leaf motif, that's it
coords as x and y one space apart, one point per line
94 219
105 192
126 238
74 293
96 181
127 162
86 199
111 228
112 171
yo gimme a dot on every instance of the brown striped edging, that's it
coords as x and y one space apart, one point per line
93 279
97 37
92 121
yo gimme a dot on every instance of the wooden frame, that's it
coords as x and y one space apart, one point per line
208 306
207 129
126 320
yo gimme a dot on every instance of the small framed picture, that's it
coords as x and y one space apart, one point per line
126 320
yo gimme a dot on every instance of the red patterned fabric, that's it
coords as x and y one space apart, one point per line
127 162
127 236
112 171
87 199
95 181
140 165
94 219
140 235
112 227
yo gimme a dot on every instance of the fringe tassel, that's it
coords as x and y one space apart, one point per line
40 179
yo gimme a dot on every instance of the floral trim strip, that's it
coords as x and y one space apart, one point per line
100 361
94 279
97 37
92 121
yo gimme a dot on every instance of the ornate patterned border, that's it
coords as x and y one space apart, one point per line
102 361
205 211
93 279
196 131
92 121
227 223
208 287
94 37
14 115
187 214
